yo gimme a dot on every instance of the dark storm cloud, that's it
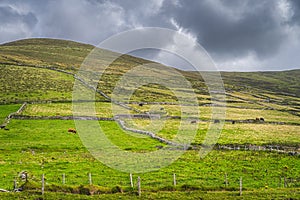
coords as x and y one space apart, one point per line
226 31
10 16
244 32
15 24
248 33
233 27
296 11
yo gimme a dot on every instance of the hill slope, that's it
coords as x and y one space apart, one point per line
21 83
259 141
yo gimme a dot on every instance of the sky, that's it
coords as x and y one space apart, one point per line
239 35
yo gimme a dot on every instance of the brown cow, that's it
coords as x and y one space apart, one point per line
72 130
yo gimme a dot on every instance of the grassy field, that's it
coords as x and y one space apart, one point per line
231 113
103 109
258 194
49 149
46 146
6 110
239 133
23 84
257 134
28 84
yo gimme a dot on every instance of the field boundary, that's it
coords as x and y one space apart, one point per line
151 134
11 115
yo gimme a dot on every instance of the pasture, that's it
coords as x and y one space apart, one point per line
45 147
37 140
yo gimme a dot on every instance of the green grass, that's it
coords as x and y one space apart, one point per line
45 146
231 113
5 110
239 133
103 109
47 52
260 134
268 115
20 84
30 84
255 194
277 82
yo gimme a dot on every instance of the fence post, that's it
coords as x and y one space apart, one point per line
15 184
43 184
241 186
174 179
280 184
90 178
285 183
139 185
226 181
63 178
131 182
26 177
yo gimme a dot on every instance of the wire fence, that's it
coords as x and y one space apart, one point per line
149 182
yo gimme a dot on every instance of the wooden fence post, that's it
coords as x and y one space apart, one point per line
15 184
285 183
63 178
226 181
43 184
139 185
174 179
131 182
279 184
241 186
90 179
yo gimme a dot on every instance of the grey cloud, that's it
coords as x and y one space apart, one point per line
9 15
85 21
296 12
233 31
225 32
15 24
230 30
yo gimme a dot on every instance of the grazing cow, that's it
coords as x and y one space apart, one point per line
292 153
141 104
216 121
193 122
72 130
256 119
262 119
233 122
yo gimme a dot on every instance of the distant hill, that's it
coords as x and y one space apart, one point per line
20 81
279 82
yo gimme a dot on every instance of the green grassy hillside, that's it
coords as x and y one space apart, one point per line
265 153
278 82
